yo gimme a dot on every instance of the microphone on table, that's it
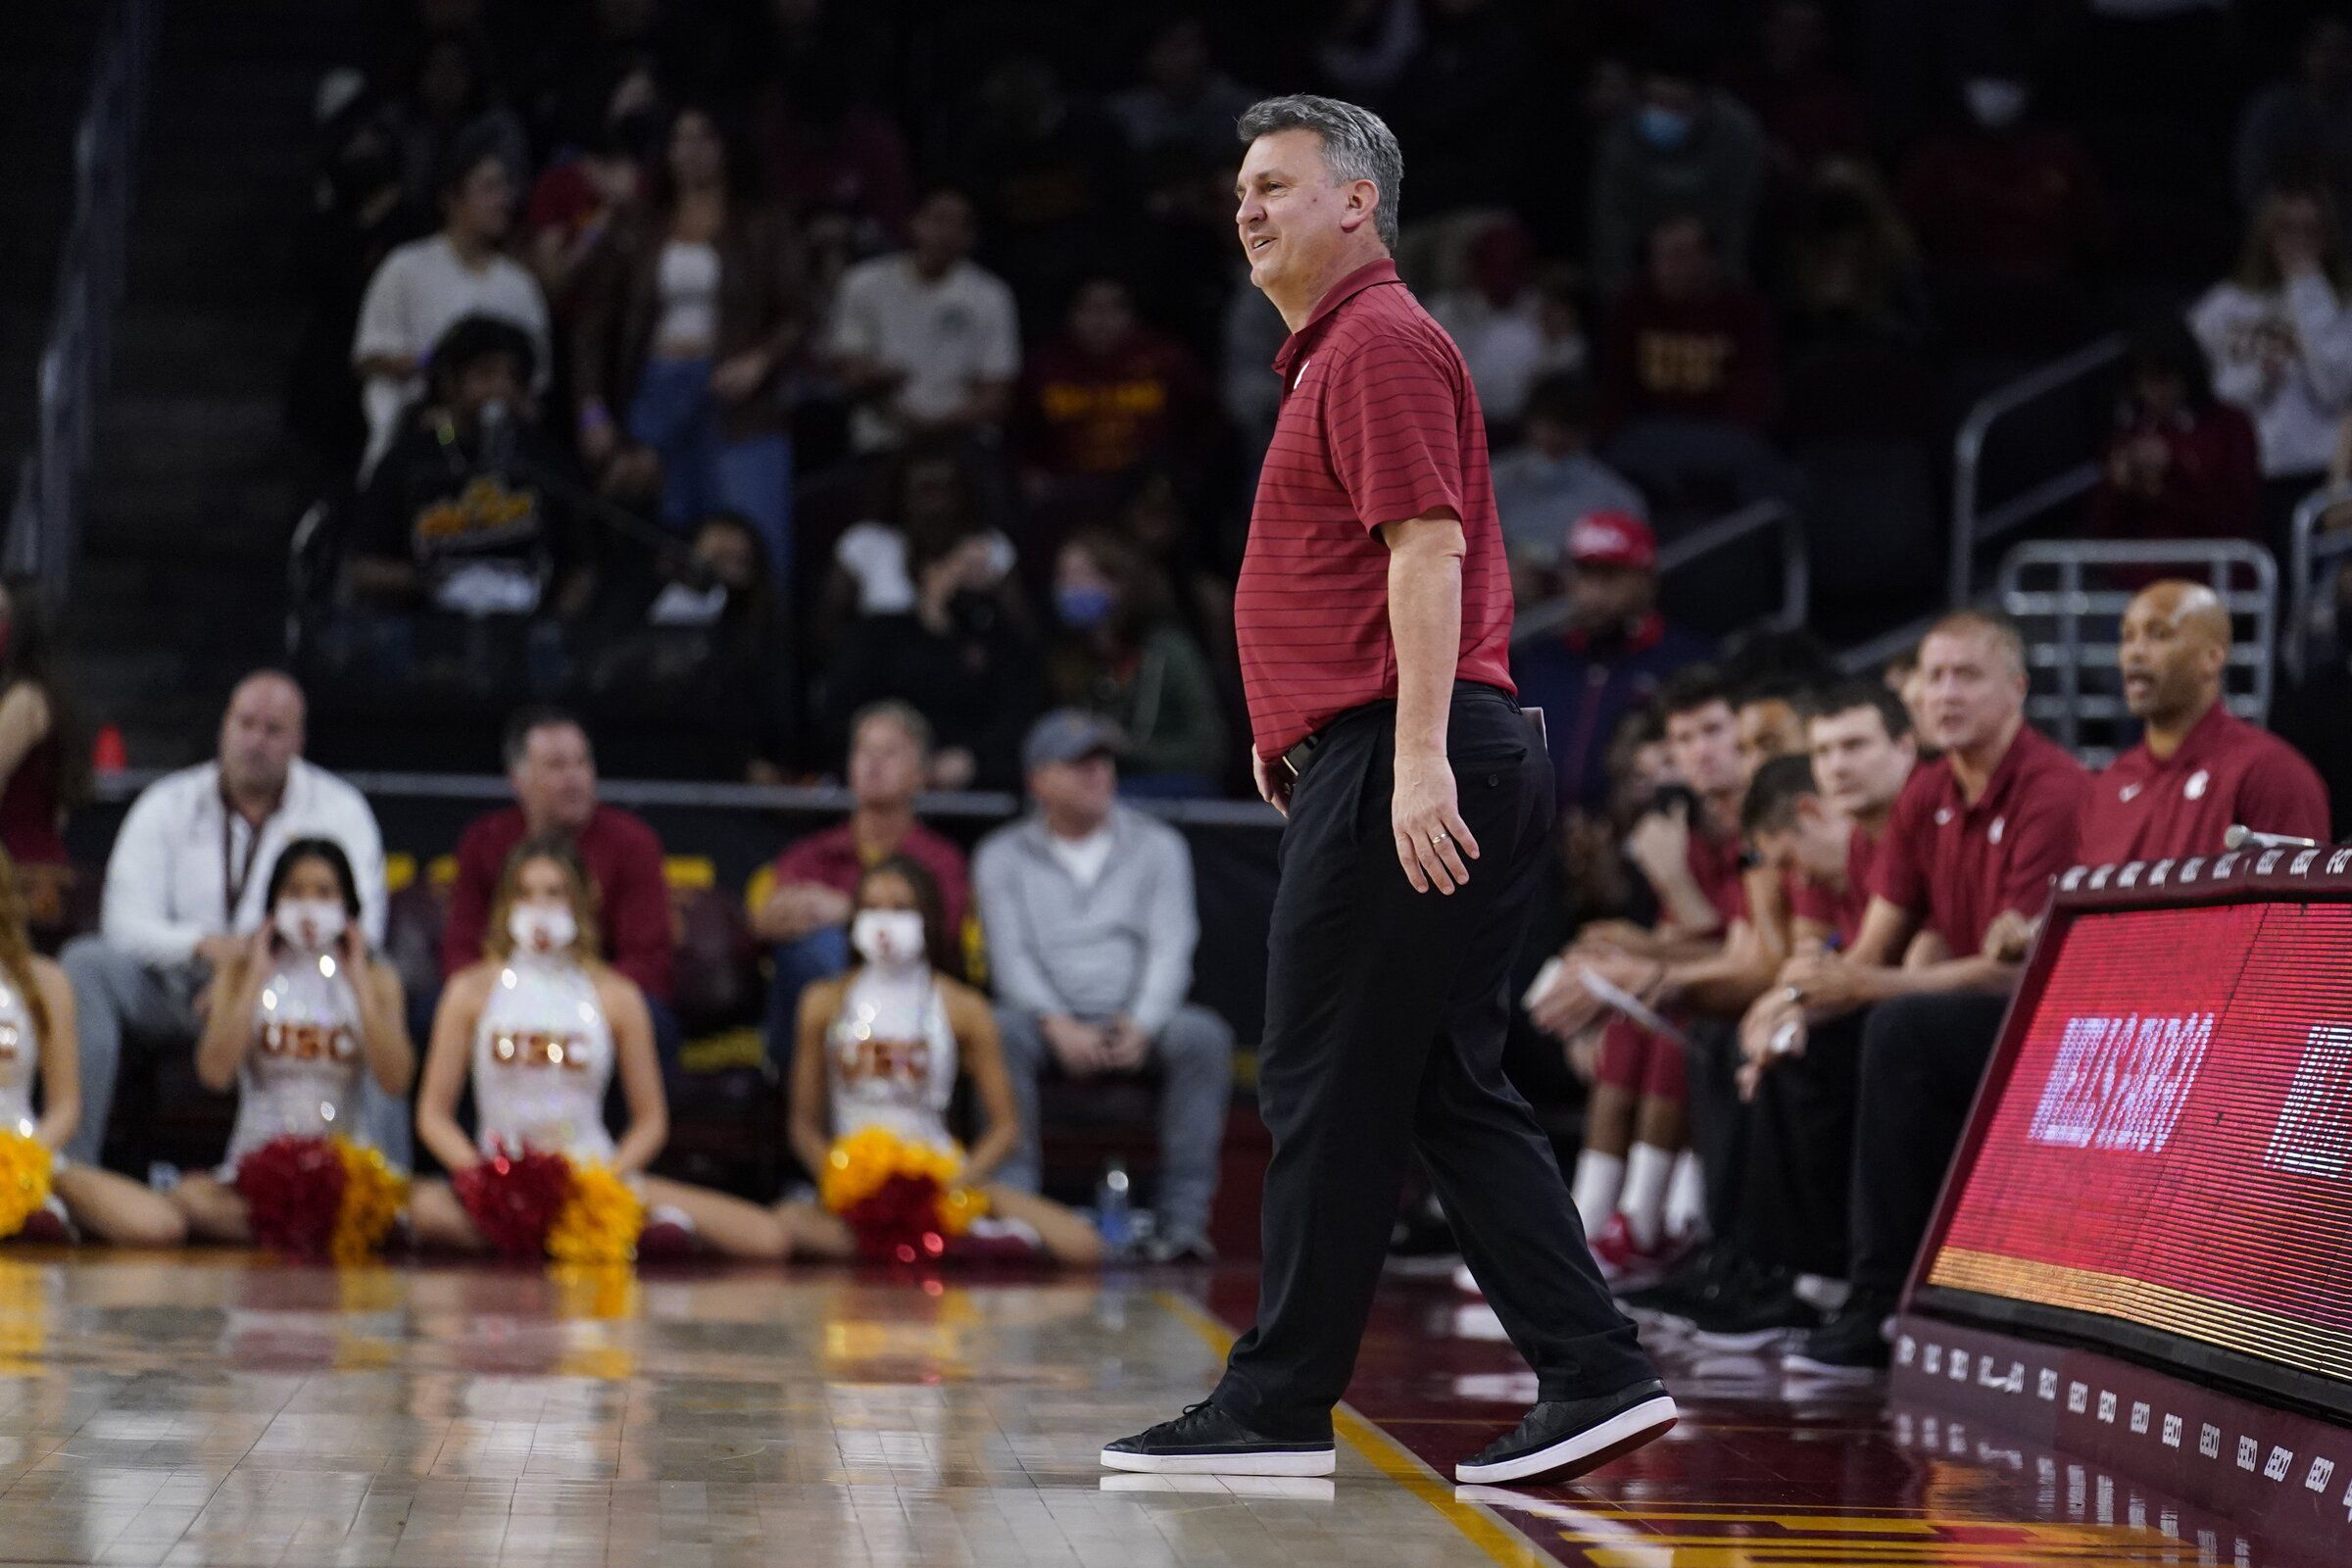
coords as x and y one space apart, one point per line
2241 837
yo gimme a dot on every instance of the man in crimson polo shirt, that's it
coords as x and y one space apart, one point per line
1373 615
2198 768
1975 835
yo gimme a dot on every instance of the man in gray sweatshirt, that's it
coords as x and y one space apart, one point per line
1088 909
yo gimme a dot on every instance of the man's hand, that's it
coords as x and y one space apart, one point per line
737 378
1824 983
1082 1049
796 909
217 953
2010 937
1273 780
1431 839
952 767
1124 1044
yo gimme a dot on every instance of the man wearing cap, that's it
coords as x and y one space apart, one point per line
1611 659
1373 616
1087 906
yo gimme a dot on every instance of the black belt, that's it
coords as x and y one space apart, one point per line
1300 757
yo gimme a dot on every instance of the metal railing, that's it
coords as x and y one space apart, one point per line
2311 548
1973 527
1727 532
45 524
2072 625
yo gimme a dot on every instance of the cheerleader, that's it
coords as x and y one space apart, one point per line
540 1027
881 1046
299 1021
37 1044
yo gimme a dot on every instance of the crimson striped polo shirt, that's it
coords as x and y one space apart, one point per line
1379 424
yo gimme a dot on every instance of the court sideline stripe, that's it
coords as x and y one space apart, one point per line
1390 1457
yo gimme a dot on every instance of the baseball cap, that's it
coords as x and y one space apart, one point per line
1067 734
1611 539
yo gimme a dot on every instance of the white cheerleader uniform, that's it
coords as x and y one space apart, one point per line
890 1056
302 1075
542 1060
20 1060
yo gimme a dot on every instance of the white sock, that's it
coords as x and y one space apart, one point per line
1600 1178
1686 1198
1647 1169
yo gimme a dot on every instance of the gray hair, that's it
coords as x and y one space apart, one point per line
904 714
1357 144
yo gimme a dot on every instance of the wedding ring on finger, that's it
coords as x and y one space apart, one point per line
1792 993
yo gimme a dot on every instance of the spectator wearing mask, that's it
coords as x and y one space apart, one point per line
1690 377
186 886
1126 657
1495 317
551 772
1550 480
1681 149
1088 906
1184 105
925 341
2183 464
428 286
690 317
1610 661
2300 130
2198 767
44 770
1108 394
2279 333
804 915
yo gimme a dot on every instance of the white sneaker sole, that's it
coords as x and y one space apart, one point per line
1292 1463
1581 1451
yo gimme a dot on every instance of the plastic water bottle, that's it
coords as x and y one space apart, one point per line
1112 1216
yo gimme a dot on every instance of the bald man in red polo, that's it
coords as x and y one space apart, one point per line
1374 617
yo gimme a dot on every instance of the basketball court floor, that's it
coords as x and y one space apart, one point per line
222 1408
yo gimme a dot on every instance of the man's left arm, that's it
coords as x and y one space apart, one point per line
1171 931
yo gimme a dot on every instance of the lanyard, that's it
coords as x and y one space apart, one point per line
234 877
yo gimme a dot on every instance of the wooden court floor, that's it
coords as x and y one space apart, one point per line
224 1409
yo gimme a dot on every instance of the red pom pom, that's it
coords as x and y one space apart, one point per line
892 1221
293 1190
513 1199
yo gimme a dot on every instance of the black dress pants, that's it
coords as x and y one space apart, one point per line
1385 1012
1921 1060
1718 1119
1795 1211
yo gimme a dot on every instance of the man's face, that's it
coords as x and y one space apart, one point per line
1681 264
1605 596
1292 215
1969 688
1813 846
261 734
2170 669
728 554
886 765
483 205
1768 728
1860 770
1705 746
1077 795
555 782
941 231
1101 317
492 378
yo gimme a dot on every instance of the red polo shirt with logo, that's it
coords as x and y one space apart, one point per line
1379 423
1840 909
1719 865
1954 866
2225 770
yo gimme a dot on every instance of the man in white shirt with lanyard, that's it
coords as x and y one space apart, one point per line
187 883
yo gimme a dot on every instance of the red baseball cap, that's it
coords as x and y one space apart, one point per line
1611 539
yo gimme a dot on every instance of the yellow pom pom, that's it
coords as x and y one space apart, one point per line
374 1195
599 1221
24 1166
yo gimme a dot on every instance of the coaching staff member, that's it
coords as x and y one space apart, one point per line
1374 617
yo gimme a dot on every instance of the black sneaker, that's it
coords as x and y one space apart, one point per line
1852 1344
1562 1439
1695 1280
1764 1312
1206 1442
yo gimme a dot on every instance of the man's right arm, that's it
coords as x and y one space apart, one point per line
1014 961
136 914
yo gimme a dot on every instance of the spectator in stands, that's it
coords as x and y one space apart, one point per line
1552 479
1107 393
690 320
1904 678
1690 377
359 213
925 341
579 199
806 911
552 770
449 102
928 491
1088 906
1682 150
956 657
2198 767
1184 105
2181 465
2300 131
1977 834
428 284
44 760
1125 656
827 149
2279 333
1495 317
1610 661
2011 213
1160 518
1807 109
181 898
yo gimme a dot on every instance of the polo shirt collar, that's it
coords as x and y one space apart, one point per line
2205 737
2004 773
1368 275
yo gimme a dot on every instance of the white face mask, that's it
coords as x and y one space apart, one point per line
541 928
310 925
888 939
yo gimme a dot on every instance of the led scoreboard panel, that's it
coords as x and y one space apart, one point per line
2160 1158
